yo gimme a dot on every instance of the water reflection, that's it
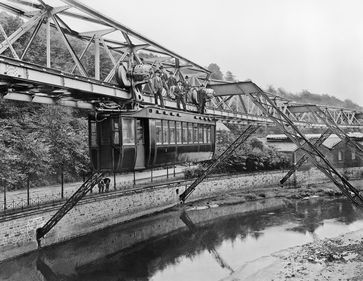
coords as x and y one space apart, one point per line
194 245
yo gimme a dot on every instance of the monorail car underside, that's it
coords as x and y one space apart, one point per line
148 138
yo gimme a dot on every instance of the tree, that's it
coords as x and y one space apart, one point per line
216 71
229 76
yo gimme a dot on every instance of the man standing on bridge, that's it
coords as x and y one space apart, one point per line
157 87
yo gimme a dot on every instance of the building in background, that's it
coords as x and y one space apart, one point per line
335 150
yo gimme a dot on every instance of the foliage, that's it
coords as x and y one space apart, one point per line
229 76
310 98
39 141
216 71
252 155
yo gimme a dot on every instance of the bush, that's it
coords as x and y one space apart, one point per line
190 173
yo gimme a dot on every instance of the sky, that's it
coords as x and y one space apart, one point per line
314 45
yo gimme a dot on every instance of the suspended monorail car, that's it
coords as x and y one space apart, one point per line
148 138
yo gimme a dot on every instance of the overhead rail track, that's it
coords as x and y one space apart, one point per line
73 84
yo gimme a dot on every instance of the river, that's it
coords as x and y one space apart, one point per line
193 243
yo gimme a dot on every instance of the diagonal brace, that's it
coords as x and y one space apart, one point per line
305 157
242 138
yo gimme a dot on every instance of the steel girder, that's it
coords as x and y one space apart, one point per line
235 99
87 34
284 123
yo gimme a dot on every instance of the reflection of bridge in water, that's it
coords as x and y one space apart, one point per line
140 250
117 82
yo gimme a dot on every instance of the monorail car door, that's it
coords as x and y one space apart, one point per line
105 148
140 144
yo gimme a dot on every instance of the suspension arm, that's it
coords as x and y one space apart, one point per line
242 138
68 205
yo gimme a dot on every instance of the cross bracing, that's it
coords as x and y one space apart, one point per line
87 36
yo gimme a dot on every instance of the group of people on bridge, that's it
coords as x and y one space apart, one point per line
163 83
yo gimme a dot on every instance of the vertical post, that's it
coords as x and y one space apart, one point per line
48 43
114 180
151 174
134 178
28 191
174 171
97 57
167 172
62 184
4 198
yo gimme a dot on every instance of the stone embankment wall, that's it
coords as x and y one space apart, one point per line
17 236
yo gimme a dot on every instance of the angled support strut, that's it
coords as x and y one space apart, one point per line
242 138
304 158
71 202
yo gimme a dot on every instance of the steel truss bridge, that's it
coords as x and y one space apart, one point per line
101 50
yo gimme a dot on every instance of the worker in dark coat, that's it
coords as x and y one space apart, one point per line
164 78
180 95
101 186
157 87
107 182
171 80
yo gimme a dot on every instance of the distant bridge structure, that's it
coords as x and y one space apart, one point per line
108 71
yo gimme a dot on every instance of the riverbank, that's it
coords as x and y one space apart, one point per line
95 213
338 258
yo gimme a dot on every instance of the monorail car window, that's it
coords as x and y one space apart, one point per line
205 133
128 131
200 130
165 132
190 133
158 132
172 132
139 132
195 133
178 132
208 134
115 131
93 135
185 132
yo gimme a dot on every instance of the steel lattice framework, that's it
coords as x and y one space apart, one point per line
90 35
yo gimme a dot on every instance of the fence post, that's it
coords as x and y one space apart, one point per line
167 172
114 180
134 178
151 174
62 185
4 198
28 191
174 171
